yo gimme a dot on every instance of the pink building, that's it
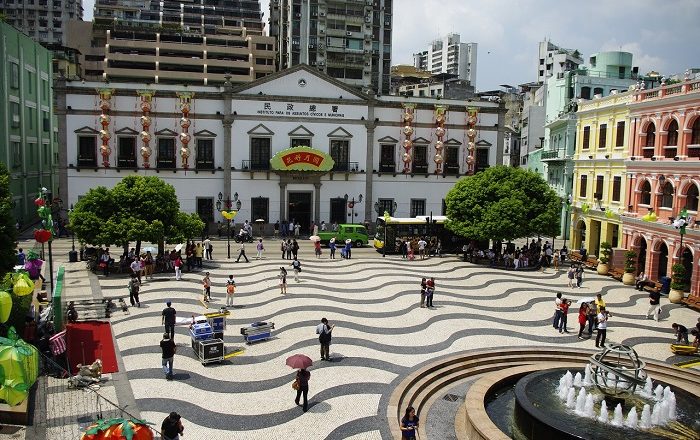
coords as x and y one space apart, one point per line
663 169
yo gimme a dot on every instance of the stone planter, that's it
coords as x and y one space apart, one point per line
628 279
676 296
602 269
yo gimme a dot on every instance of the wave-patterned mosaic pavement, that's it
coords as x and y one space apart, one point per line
381 334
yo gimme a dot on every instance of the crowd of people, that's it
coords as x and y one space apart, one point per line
509 256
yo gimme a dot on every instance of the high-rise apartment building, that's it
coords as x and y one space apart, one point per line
173 42
554 60
26 120
348 40
42 20
449 55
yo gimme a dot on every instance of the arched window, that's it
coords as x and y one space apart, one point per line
695 136
691 198
667 196
645 197
672 139
651 136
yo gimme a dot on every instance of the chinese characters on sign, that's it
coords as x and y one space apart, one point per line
308 158
310 110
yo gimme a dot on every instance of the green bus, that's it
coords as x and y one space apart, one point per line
396 229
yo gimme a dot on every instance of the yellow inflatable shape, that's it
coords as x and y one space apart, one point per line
229 215
5 306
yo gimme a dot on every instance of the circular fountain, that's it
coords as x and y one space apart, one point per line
611 398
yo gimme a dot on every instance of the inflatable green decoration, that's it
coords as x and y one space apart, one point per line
22 284
19 368
5 306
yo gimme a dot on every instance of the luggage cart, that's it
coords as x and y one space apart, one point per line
257 331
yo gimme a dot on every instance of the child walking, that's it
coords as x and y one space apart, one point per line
230 290
283 280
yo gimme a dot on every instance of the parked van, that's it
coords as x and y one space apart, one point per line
356 233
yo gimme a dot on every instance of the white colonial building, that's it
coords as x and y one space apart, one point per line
248 144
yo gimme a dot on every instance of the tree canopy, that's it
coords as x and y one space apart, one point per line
503 203
137 209
8 231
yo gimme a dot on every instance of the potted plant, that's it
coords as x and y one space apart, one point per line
605 251
678 283
630 268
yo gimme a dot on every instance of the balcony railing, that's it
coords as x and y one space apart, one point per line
347 166
126 162
87 161
420 168
255 165
205 164
553 155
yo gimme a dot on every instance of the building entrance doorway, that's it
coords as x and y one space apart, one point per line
338 210
299 209
687 262
663 261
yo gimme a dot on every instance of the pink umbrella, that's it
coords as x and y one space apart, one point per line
299 361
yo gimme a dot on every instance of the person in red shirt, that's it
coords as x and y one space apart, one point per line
582 319
178 267
564 310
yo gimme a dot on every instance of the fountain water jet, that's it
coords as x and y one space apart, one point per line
588 410
645 422
617 416
571 398
577 380
581 401
603 417
631 421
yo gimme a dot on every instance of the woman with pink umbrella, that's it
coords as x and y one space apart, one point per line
301 382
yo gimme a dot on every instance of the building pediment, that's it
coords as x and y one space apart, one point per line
339 132
86 130
205 133
483 143
301 131
453 142
421 140
165 132
127 131
301 81
388 140
261 130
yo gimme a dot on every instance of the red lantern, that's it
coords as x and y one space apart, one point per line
42 235
39 201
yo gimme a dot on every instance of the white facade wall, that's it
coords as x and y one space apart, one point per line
449 55
284 107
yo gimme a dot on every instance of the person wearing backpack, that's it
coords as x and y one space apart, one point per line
260 249
134 291
230 290
323 330
296 265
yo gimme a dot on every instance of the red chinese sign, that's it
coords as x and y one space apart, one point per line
305 157
302 159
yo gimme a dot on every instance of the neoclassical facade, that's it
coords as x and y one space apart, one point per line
364 154
663 170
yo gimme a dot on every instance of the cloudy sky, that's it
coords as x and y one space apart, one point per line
663 36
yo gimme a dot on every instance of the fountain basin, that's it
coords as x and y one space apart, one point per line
539 413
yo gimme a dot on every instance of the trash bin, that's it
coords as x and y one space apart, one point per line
665 285
73 256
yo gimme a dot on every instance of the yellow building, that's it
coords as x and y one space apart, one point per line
598 198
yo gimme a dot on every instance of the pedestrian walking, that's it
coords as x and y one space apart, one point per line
283 248
283 280
582 319
348 249
199 255
555 260
105 261
288 247
409 424
423 287
296 266
241 253
421 248
178 267
208 248
331 246
134 286
429 292
603 316
557 311
260 248
302 380
230 290
599 302
297 227
592 315
564 315
295 248
579 276
542 261
206 286
277 228
167 345
404 249
324 332
654 304
168 319
172 428
149 265
317 248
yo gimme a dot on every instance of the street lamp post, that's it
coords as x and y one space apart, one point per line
227 204
351 205
567 209
377 209
55 205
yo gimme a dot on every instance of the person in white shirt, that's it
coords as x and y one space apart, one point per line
603 316
421 248
323 225
136 269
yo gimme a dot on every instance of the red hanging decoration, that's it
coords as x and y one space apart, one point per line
440 117
105 105
146 103
407 130
42 235
185 122
472 114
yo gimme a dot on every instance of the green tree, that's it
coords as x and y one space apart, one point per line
8 231
503 203
137 209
